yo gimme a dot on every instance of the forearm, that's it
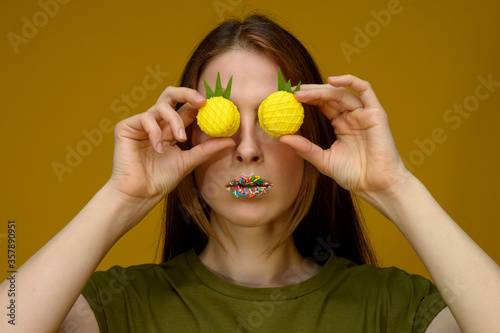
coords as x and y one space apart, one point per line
51 280
468 279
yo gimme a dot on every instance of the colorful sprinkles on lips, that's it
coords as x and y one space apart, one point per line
248 187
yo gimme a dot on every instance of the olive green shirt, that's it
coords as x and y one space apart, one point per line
182 295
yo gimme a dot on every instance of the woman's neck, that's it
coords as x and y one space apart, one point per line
245 262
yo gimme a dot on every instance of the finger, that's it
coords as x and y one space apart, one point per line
308 86
331 101
174 95
342 96
150 125
204 151
188 113
363 88
192 101
175 128
307 150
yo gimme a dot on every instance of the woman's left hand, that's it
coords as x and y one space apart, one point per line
364 158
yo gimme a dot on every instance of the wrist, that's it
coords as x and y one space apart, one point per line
124 211
395 202
390 185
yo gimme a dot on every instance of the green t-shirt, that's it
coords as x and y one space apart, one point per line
182 295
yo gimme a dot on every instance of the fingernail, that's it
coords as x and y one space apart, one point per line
159 147
333 77
300 95
182 133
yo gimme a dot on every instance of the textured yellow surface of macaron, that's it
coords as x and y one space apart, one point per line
281 113
219 117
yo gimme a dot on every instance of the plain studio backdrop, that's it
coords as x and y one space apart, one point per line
72 69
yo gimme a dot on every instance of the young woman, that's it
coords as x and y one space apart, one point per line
293 259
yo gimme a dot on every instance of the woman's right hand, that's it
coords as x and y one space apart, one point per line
147 162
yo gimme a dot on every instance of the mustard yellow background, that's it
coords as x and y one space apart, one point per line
67 68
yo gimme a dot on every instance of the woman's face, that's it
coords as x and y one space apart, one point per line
255 77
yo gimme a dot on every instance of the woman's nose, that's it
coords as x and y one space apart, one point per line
248 142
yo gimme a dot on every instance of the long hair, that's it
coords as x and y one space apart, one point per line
324 215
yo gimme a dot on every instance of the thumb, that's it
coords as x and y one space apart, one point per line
204 151
307 150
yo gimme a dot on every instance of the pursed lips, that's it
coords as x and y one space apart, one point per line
248 187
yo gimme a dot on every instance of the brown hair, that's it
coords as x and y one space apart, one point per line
323 212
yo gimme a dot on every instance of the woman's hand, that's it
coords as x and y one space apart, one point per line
364 158
147 163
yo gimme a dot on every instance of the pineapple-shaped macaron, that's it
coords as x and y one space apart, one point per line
219 117
281 113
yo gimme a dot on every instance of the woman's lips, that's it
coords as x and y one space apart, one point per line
248 187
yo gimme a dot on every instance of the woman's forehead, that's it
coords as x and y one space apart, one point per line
250 71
